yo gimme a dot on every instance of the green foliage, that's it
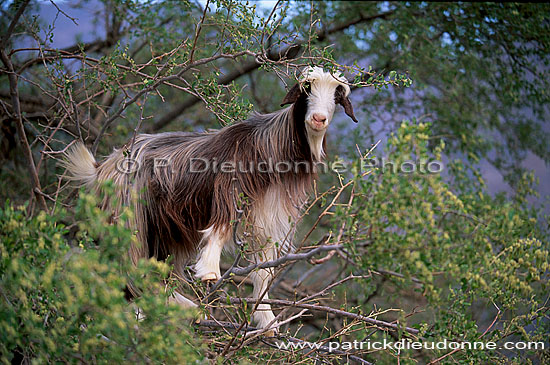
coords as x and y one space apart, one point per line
478 70
468 255
62 293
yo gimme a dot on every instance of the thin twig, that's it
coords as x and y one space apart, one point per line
326 309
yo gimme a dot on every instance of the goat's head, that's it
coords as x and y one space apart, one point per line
323 90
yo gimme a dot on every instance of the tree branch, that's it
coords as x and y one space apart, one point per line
154 85
289 52
315 307
14 93
14 21
284 259
314 347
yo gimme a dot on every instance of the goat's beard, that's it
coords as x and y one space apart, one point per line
315 141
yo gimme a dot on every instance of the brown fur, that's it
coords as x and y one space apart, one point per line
178 204
175 207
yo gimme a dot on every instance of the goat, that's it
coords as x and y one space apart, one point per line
186 213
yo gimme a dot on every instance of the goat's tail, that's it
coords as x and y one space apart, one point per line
80 164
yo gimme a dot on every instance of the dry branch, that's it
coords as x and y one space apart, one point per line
315 307
269 342
14 93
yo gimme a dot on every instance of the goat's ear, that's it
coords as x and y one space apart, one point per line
343 100
348 108
292 95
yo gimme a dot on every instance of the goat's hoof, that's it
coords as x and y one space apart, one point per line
211 276
271 332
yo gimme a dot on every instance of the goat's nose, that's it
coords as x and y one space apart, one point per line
319 118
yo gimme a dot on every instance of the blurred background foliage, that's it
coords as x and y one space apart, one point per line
461 255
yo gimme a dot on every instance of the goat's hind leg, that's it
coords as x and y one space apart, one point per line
262 280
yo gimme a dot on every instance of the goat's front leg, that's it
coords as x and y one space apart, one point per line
207 267
261 280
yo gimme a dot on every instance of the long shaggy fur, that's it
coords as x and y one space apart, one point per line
177 211
81 165
179 204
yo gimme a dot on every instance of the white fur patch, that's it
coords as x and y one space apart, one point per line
272 219
181 300
208 264
315 140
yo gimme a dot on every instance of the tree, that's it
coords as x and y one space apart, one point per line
389 248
